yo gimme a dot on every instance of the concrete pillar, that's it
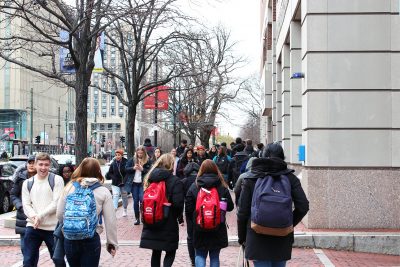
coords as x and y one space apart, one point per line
286 101
295 91
278 101
350 120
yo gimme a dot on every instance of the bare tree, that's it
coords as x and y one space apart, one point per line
212 62
36 27
142 39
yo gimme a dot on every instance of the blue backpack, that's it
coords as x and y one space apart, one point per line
80 217
271 206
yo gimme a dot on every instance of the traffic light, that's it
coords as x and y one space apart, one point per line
122 139
103 139
37 139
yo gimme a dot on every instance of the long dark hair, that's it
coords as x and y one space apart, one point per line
184 157
208 166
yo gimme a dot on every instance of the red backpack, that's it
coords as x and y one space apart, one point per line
208 213
152 207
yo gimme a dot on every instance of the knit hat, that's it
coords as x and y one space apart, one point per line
200 147
119 151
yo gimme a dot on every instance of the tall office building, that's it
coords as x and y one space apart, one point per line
330 70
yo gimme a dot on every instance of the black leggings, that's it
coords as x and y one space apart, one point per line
168 259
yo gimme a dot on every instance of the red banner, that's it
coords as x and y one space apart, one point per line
162 98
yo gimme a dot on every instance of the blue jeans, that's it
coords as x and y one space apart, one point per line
32 241
137 194
85 253
201 256
116 191
269 263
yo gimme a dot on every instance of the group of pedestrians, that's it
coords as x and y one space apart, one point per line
196 185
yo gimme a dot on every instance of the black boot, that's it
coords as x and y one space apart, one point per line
137 222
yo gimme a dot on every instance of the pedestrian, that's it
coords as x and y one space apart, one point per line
149 147
173 153
116 174
210 242
164 237
249 149
157 154
181 149
40 194
22 173
263 249
239 183
136 169
259 151
191 170
238 142
223 160
65 172
213 152
232 145
238 160
86 252
187 157
201 154
228 151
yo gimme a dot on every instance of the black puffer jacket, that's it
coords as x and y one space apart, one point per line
207 240
190 172
117 172
165 237
264 247
21 174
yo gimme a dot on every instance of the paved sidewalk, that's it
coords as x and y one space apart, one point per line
130 254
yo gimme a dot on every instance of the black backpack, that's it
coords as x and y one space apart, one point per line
223 164
239 161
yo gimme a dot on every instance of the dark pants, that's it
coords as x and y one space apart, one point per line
189 229
32 241
168 259
85 253
137 194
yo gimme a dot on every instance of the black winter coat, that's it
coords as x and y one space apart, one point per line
207 240
130 173
264 247
166 236
20 176
117 172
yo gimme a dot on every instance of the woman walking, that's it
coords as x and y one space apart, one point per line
86 252
136 169
187 157
117 174
211 242
164 237
157 154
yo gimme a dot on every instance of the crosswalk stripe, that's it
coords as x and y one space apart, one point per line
323 258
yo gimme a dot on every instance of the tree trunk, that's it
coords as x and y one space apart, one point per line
205 134
81 97
131 130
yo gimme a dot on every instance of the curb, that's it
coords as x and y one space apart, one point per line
380 243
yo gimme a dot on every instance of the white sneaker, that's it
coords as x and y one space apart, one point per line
124 213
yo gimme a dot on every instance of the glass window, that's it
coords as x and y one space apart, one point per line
7 170
102 127
118 126
109 126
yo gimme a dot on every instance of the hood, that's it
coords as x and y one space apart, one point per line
158 175
191 167
208 180
20 173
147 144
249 164
88 181
270 166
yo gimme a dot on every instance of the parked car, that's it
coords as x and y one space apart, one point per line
21 159
7 170
63 159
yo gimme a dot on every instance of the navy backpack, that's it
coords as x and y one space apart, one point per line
271 206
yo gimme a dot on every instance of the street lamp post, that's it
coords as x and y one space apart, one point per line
44 132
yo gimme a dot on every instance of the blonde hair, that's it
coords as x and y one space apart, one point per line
145 157
209 166
89 167
42 156
165 161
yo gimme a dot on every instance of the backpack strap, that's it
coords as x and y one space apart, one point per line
93 187
51 179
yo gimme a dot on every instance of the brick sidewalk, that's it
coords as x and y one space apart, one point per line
132 256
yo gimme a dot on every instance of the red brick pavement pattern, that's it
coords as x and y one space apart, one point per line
132 256
346 258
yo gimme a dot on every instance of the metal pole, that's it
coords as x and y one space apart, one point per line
180 109
44 134
30 145
66 127
156 106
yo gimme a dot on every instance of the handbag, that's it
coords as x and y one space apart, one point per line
241 260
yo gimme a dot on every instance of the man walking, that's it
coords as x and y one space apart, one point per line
40 195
